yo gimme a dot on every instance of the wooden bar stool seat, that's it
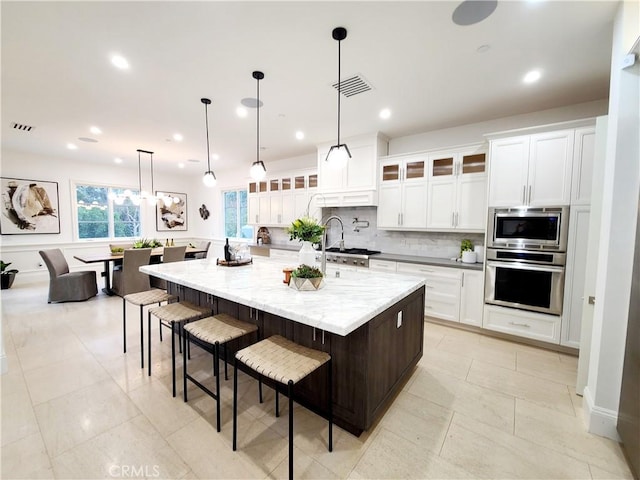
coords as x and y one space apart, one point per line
210 333
175 315
142 299
287 363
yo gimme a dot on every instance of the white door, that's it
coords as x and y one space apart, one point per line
508 171
582 175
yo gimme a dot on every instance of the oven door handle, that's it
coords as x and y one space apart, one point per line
527 266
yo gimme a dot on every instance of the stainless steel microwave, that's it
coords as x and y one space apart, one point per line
529 228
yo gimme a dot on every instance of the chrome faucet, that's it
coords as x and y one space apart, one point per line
323 261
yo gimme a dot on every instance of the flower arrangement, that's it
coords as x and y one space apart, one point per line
305 229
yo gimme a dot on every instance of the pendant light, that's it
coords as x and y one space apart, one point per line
209 178
258 170
143 194
339 153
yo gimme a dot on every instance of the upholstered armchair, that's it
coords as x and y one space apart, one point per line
66 286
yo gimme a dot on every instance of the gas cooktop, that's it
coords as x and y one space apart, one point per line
352 251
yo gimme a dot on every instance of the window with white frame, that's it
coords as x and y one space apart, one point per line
234 206
105 212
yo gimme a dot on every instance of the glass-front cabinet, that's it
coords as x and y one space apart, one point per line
402 193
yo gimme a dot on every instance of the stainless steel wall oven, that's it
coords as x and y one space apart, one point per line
526 258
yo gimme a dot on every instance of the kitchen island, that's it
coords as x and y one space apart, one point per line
371 324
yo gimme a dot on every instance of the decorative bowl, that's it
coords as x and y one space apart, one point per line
306 284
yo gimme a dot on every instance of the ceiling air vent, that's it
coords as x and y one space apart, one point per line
353 86
20 126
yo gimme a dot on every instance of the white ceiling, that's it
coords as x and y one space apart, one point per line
57 75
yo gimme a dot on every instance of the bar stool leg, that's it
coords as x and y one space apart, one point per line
277 402
124 324
260 390
235 401
330 406
226 374
185 338
141 339
173 355
149 342
290 430
216 353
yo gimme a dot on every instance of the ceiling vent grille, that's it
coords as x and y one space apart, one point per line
353 86
20 126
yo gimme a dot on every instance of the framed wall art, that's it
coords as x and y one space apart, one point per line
171 212
29 206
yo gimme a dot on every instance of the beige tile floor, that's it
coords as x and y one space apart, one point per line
74 406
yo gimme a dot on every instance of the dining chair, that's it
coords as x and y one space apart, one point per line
169 255
204 246
130 279
117 264
66 286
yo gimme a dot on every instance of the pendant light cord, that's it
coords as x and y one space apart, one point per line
152 174
258 121
206 122
139 175
339 92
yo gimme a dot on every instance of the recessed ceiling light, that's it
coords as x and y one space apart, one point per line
241 112
117 160
385 113
95 130
299 134
120 62
251 102
532 76
72 146
178 137
181 165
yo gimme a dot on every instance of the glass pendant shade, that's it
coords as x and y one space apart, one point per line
338 156
258 170
209 179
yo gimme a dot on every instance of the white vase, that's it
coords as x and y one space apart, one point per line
468 257
307 255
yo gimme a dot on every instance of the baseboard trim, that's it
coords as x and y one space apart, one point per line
600 421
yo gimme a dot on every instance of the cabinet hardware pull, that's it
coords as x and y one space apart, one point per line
592 300
456 220
462 280
314 334
323 337
529 201
453 216
399 220
427 306
517 324
524 193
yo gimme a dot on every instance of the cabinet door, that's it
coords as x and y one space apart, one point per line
550 159
575 274
583 158
389 206
472 202
254 209
390 173
414 205
441 204
264 208
275 208
361 168
508 171
330 179
472 297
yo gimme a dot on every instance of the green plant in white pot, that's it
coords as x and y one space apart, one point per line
466 251
7 276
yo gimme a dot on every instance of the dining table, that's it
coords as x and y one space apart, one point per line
107 258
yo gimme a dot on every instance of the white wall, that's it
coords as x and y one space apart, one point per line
621 186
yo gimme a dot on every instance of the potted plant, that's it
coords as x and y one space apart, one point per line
306 277
466 251
144 243
7 276
308 231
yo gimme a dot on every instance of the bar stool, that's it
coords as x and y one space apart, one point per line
286 363
142 299
175 315
209 334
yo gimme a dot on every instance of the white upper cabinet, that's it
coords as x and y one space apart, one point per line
532 170
583 158
403 193
355 184
457 190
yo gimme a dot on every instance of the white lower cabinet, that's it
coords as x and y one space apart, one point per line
537 326
442 297
382 266
472 297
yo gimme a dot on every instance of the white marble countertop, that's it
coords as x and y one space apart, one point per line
343 305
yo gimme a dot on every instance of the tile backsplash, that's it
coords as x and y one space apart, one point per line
428 244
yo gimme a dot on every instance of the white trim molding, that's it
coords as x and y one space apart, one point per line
600 421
